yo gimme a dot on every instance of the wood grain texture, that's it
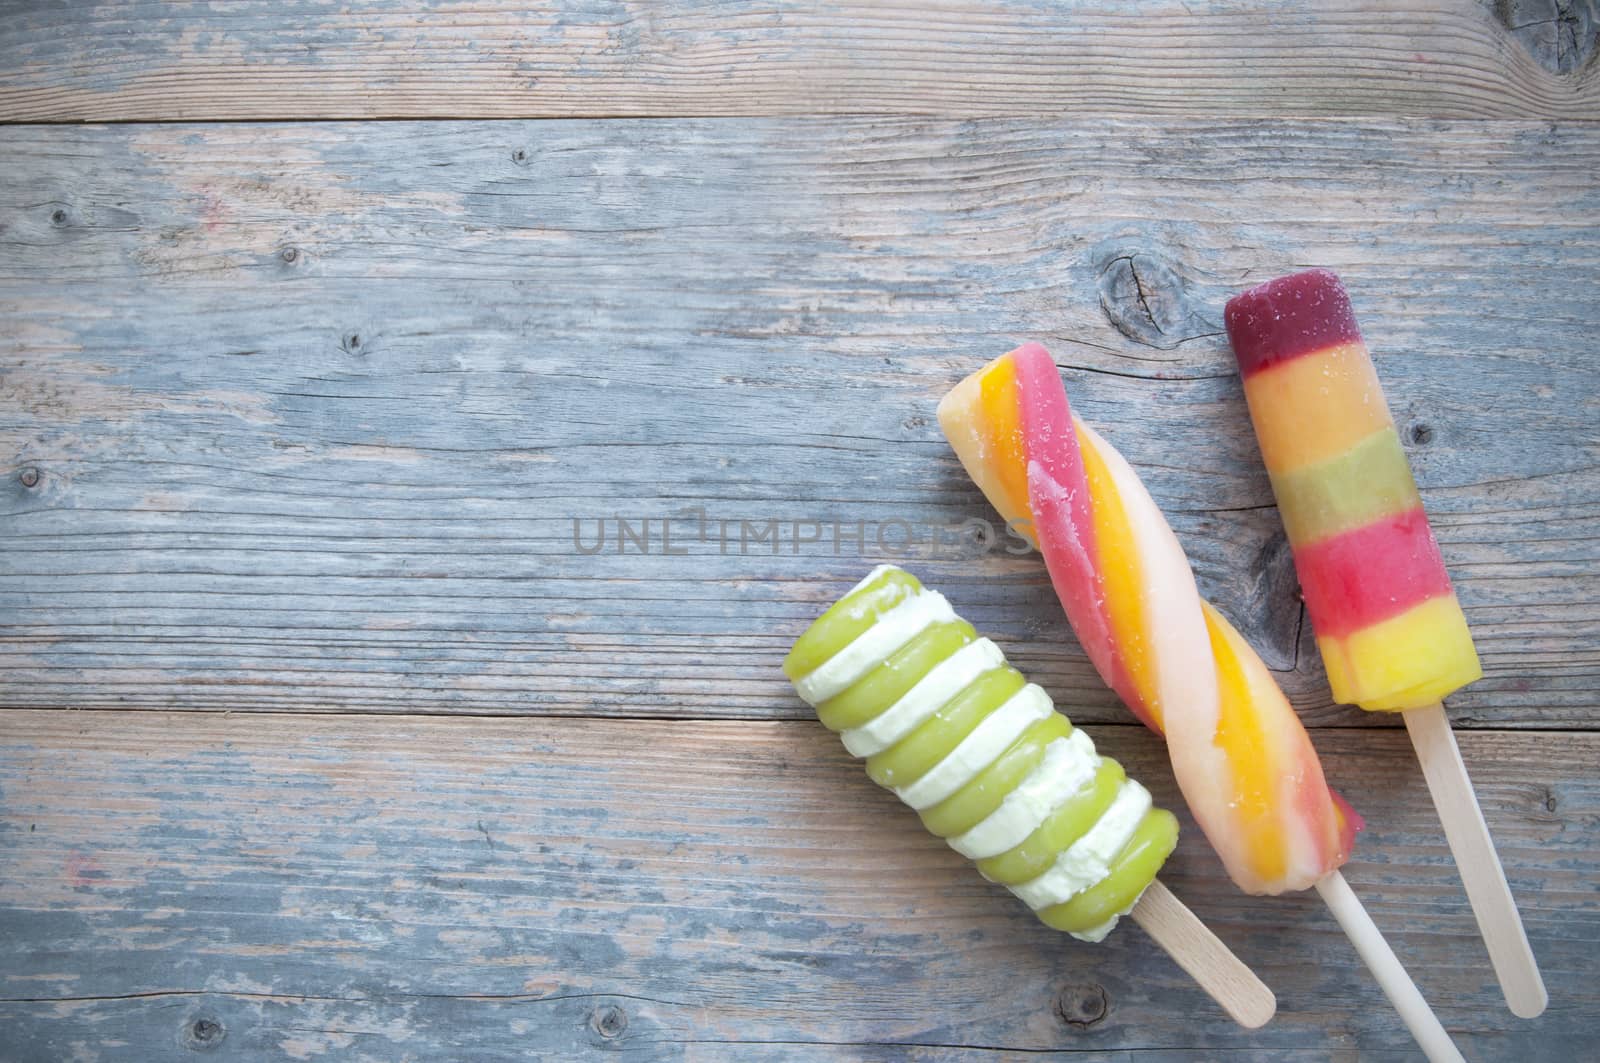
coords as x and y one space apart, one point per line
368 887
162 61
325 416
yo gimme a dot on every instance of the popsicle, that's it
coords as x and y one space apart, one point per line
1239 753
1391 632
991 767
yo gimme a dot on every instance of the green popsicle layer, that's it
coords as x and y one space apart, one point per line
848 618
1369 481
1070 821
910 758
1134 869
899 672
1007 810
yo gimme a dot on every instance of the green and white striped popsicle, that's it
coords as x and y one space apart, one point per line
980 753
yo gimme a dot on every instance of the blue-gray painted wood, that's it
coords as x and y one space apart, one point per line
604 58
383 888
323 417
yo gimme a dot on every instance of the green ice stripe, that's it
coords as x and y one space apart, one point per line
1369 481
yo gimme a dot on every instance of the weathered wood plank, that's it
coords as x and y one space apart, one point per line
604 58
306 417
413 887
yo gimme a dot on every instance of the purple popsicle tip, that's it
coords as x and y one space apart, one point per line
1287 317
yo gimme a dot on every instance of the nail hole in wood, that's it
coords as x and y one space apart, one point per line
520 157
609 1021
204 1033
58 217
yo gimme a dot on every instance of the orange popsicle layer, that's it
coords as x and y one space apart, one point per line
1118 562
1316 406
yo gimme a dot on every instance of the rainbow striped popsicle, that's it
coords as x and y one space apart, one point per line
1391 632
1392 635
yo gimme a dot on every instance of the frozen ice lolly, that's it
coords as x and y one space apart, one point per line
1392 635
1240 754
985 759
981 754
1387 622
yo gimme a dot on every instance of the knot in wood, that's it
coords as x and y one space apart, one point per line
1082 1005
609 1021
203 1033
291 255
29 477
1420 434
1270 612
1561 34
1148 300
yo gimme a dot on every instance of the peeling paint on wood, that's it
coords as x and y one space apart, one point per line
601 58
365 887
543 439
415 465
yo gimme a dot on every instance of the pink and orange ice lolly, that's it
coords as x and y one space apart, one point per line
1391 632
1243 760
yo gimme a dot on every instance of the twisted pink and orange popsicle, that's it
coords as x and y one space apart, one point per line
1240 754
1391 632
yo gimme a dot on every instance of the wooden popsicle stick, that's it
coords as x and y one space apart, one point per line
1385 966
1481 873
1245 998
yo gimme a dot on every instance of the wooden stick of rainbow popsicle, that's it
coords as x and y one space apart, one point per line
1240 754
991 767
1391 632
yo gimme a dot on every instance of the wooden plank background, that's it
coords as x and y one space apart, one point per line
362 886
325 732
159 61
317 428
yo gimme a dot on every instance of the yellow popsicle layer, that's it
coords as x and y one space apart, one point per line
1405 662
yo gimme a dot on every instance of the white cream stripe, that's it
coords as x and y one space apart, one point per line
1068 765
982 744
891 631
868 578
1089 859
942 682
